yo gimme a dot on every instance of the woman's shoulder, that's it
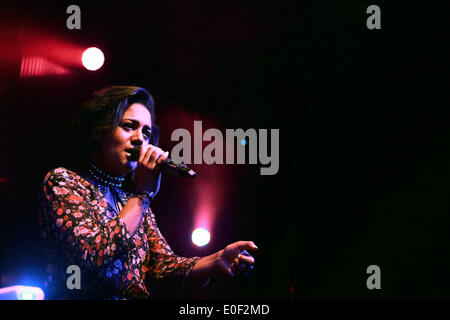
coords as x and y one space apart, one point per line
62 181
61 174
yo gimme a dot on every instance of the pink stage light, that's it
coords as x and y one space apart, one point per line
39 66
93 59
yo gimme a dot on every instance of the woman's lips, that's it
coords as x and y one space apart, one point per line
128 154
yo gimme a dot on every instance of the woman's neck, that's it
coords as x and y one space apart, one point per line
107 169
103 177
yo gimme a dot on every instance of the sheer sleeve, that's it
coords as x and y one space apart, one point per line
163 262
71 215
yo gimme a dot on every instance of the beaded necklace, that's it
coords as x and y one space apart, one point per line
106 181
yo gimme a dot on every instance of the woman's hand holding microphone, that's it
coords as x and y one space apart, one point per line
148 171
148 180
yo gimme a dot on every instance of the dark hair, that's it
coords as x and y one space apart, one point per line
99 116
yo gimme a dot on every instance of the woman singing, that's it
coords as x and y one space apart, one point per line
98 219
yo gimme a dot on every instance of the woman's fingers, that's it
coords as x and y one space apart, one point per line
231 271
152 156
242 264
162 157
246 245
243 259
239 265
236 259
142 154
146 157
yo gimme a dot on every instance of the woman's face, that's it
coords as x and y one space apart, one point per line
133 129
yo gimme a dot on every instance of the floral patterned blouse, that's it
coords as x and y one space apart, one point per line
80 228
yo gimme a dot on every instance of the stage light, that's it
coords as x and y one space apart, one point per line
27 295
39 66
200 237
21 293
92 58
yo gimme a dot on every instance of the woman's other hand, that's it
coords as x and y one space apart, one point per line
231 261
235 260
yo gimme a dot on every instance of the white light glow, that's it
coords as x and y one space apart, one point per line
93 58
200 237
22 293
27 296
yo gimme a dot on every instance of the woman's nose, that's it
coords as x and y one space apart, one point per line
137 139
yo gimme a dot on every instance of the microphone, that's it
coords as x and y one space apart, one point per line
167 165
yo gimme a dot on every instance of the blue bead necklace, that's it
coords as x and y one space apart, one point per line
106 181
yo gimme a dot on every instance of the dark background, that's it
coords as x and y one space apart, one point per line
364 157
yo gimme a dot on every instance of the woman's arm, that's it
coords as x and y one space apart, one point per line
71 217
163 262
131 213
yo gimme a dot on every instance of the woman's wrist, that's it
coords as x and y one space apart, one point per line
146 193
145 197
204 269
